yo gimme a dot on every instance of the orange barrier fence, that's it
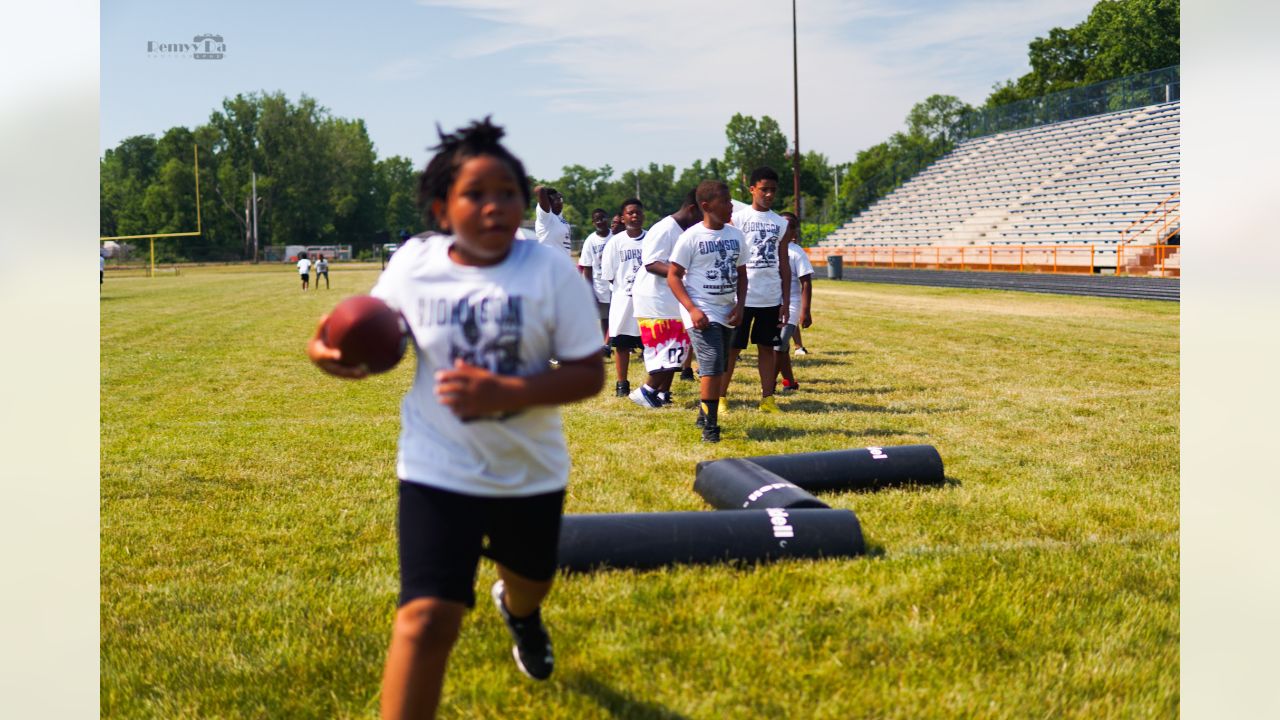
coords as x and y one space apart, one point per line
1084 258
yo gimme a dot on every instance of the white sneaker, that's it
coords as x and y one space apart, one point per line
647 400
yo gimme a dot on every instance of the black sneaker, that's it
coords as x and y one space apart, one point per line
687 374
711 433
532 650
665 397
623 388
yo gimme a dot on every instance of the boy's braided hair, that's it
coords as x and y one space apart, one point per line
479 138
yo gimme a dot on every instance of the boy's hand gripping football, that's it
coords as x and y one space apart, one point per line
471 392
328 358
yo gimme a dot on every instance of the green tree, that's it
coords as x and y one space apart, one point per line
753 143
1119 38
395 191
938 118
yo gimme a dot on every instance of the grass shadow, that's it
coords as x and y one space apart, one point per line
617 703
788 433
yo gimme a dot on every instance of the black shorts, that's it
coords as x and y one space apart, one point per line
626 342
442 537
761 324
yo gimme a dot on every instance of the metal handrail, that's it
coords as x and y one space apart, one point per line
1164 219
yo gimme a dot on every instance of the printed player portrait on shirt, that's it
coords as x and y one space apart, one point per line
484 329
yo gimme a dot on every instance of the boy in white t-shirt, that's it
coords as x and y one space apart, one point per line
590 264
769 284
304 269
662 331
709 280
621 265
482 452
550 228
800 311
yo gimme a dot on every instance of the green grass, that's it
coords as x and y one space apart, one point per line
248 546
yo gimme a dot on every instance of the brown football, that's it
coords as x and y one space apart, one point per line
367 332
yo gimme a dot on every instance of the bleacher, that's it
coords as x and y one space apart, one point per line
1077 190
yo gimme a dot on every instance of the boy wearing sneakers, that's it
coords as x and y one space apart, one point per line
590 264
798 314
662 332
709 280
621 265
768 285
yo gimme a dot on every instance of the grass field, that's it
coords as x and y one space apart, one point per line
248 548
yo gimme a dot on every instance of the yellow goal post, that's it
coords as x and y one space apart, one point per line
195 151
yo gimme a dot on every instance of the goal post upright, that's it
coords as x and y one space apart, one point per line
151 237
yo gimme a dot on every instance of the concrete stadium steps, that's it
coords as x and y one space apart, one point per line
1073 180
1132 288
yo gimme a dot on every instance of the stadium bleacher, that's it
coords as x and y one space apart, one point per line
1093 192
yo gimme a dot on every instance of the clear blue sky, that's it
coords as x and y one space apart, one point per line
575 81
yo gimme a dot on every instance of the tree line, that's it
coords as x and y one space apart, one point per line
320 181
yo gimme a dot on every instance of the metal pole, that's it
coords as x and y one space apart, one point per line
255 217
795 94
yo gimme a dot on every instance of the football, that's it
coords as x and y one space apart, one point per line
367 332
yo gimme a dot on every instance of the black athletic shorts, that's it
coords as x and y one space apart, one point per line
442 537
626 342
760 324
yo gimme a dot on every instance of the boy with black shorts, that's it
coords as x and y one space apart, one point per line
709 281
768 285
662 331
482 452
621 265
590 264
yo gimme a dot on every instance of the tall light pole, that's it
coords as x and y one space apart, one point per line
795 94
255 216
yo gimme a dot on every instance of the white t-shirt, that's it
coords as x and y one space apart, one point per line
711 259
621 264
592 256
322 265
651 296
800 267
552 230
522 234
764 231
304 266
510 318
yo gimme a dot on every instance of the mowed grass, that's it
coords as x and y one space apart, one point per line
248 505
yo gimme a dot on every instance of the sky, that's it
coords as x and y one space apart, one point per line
589 82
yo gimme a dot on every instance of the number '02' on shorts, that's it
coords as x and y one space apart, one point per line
442 536
665 343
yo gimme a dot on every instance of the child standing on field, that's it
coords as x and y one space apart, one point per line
482 453
322 268
662 331
709 279
591 265
769 279
621 265
799 314
304 269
